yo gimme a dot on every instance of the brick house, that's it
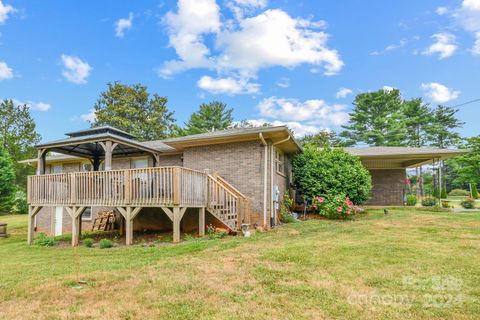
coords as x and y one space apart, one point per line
225 178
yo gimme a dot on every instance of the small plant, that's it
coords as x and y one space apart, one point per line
445 204
335 207
189 237
105 244
468 203
286 215
459 193
88 242
215 233
474 191
443 194
45 241
428 202
411 200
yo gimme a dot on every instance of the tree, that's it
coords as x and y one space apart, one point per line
331 172
376 119
18 136
131 108
322 139
441 132
7 181
474 191
417 117
211 116
468 165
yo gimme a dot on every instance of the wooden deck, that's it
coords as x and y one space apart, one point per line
171 188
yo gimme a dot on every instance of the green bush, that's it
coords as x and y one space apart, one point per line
474 191
459 193
105 244
88 242
335 207
286 215
20 204
411 200
44 241
443 195
435 193
7 182
428 202
468 203
328 172
445 204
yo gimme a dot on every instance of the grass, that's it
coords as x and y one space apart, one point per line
407 264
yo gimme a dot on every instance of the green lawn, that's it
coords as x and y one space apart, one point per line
408 264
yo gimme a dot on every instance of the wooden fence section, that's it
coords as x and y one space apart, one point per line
149 187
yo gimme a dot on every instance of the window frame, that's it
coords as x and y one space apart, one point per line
91 214
279 162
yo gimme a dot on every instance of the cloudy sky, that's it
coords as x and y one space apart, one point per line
294 62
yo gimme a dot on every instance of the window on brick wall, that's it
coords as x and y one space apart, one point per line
87 214
280 161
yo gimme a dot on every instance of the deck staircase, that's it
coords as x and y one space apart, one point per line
226 203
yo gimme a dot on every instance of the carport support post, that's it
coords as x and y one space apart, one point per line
201 221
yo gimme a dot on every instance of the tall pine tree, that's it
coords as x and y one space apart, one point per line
211 116
441 131
376 119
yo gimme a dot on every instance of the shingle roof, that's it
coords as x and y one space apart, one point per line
401 151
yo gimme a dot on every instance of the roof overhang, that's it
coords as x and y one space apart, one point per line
275 134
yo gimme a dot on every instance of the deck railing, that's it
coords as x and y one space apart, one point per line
149 187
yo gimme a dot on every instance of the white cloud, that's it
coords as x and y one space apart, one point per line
227 85
468 17
391 47
476 46
123 24
444 45
273 38
37 106
283 82
299 129
5 11
240 48
438 92
313 112
242 7
5 71
388 88
88 117
75 70
343 93
441 11
186 29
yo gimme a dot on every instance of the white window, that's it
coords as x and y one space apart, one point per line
87 214
280 162
140 163
57 168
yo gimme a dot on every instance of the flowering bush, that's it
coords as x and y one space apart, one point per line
335 207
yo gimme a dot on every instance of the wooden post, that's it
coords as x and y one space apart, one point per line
177 218
32 212
176 186
129 227
127 184
41 161
201 222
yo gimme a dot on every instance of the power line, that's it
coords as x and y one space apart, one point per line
468 102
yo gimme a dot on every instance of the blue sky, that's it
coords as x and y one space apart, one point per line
294 62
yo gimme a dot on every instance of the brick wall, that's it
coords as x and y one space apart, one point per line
388 186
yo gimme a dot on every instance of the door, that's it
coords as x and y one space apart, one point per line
58 221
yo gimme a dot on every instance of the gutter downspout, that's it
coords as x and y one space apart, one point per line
265 149
272 157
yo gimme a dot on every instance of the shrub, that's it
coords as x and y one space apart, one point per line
20 204
459 193
335 207
88 242
7 182
435 192
468 203
105 244
44 241
428 202
443 194
445 204
411 200
329 172
474 191
286 215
